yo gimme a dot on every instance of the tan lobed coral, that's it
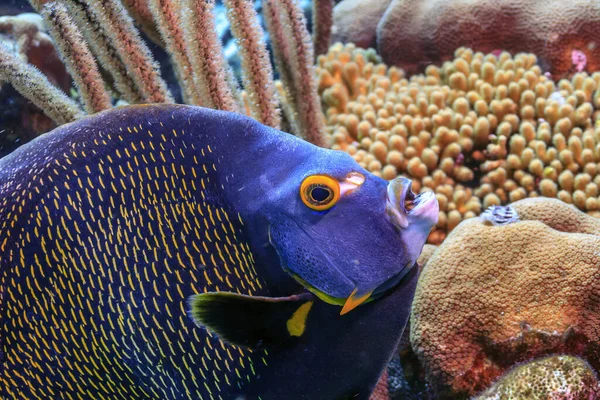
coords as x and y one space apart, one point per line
497 293
480 130
550 378
426 254
414 33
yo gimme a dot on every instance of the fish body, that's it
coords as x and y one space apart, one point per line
111 225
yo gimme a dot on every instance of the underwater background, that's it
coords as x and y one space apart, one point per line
492 105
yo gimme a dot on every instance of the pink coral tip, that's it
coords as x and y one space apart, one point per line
579 60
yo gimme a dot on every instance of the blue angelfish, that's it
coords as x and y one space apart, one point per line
176 252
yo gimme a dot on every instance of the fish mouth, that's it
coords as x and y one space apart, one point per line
357 297
403 204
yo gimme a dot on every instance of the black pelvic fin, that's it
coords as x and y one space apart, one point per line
249 321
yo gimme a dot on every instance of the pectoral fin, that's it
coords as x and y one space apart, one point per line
251 321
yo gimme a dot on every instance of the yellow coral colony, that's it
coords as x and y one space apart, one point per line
553 377
480 130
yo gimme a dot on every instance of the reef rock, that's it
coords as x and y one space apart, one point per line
516 283
25 35
417 32
355 21
557 377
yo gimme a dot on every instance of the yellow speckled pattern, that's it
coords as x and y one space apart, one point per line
100 249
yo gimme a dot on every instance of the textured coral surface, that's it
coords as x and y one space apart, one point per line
356 21
480 130
557 377
492 296
416 32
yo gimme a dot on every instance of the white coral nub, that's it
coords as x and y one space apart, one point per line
500 215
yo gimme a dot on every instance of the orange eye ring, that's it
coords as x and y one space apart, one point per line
320 192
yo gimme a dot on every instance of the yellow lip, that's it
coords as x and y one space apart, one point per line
348 304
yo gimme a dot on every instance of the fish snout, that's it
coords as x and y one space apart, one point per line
405 207
412 214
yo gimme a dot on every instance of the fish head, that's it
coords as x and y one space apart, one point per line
345 234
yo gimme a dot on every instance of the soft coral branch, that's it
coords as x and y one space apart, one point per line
167 15
77 58
206 55
132 50
33 85
287 25
256 67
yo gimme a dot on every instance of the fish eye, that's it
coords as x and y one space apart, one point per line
320 192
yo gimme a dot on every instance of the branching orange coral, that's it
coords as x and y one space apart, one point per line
480 130
413 32
497 293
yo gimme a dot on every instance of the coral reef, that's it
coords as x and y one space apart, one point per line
414 33
25 35
557 377
93 34
499 292
480 130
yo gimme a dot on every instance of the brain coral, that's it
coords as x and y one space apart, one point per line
364 17
416 32
550 378
495 295
480 130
